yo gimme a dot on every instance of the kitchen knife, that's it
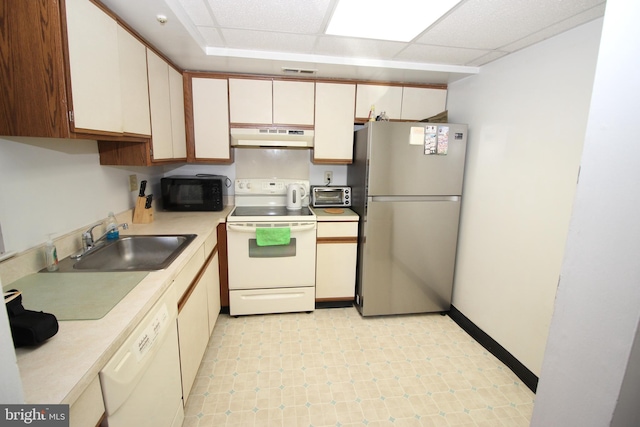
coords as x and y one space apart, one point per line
143 186
147 205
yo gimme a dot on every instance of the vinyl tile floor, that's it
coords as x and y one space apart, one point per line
332 367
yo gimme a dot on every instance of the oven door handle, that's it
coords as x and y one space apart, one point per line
252 229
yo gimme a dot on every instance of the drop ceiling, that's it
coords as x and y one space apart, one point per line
265 36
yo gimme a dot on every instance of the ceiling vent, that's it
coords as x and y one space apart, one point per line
304 71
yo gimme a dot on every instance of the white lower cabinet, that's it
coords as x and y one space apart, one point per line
212 279
336 253
88 409
196 317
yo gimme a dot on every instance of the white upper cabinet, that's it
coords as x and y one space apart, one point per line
383 98
133 83
267 102
335 105
250 101
176 98
293 102
166 97
422 103
95 69
210 118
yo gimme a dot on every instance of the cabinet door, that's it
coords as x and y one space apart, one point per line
193 335
336 254
160 103
336 270
293 102
211 118
333 141
88 409
250 101
212 279
176 96
133 81
384 98
421 103
95 69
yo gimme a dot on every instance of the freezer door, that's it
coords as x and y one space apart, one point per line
398 164
407 255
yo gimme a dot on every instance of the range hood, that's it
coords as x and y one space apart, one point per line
273 137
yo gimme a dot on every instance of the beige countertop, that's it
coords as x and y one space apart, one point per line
346 214
60 369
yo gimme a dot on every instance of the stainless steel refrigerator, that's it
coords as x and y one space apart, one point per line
406 181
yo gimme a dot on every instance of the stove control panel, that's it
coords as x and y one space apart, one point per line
260 186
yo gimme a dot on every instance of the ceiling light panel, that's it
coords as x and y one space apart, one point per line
395 20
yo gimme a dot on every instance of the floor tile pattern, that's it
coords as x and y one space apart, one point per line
335 368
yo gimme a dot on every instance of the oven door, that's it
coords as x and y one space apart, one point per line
264 267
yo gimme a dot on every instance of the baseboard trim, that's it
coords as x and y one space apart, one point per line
334 304
527 377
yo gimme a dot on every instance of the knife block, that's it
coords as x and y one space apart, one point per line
140 214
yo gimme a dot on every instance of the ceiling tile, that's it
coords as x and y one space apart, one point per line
306 17
268 41
574 21
198 12
438 54
357 48
483 24
211 36
485 59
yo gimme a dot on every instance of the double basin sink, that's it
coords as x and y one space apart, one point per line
130 253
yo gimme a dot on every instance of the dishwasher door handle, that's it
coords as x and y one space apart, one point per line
253 228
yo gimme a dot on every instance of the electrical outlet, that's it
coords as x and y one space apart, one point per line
133 182
328 177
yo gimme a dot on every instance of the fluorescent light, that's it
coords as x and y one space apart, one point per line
395 20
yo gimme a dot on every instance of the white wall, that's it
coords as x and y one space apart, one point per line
56 186
245 157
527 116
590 371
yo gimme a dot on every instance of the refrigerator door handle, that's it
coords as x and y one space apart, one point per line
413 199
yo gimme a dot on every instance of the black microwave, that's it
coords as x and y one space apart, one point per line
194 193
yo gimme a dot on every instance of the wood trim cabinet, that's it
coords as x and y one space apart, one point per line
95 68
336 253
198 310
421 103
207 107
381 97
60 73
166 97
400 102
88 409
333 140
271 102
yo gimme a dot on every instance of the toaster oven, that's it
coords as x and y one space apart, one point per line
329 197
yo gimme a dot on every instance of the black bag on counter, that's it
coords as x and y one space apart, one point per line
28 327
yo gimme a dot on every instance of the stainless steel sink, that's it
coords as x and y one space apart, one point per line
132 253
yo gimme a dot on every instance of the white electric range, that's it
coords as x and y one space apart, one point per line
271 250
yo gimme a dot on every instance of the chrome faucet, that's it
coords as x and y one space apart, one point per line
88 242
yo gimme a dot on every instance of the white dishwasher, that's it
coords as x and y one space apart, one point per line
141 384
